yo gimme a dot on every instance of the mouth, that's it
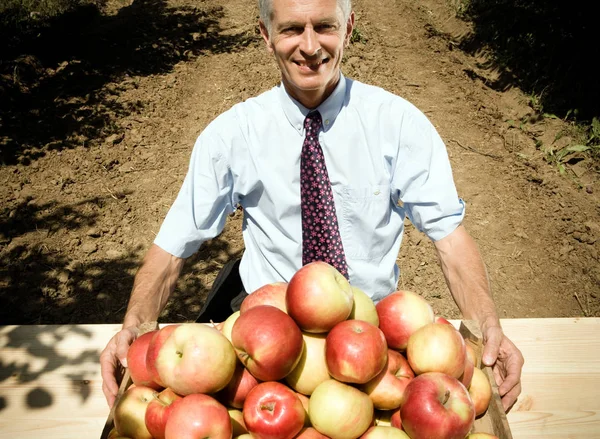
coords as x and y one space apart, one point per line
311 65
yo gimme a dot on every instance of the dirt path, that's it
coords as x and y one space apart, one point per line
76 221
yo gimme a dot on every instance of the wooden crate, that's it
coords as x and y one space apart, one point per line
493 420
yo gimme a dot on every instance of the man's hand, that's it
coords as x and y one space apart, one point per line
506 361
114 353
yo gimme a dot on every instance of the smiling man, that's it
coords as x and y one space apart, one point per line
325 168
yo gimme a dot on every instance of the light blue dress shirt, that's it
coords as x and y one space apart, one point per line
385 161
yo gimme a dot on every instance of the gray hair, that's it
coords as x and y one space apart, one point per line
266 10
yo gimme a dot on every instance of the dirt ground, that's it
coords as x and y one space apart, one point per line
79 210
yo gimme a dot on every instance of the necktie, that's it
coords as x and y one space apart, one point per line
321 239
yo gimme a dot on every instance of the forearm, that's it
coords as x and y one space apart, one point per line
153 284
467 278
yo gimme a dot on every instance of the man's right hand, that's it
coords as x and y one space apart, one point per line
114 353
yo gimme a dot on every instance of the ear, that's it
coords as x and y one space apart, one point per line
349 28
265 34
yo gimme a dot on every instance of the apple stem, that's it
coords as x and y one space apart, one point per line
446 397
179 354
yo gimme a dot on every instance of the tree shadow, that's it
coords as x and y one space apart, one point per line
60 86
547 49
41 286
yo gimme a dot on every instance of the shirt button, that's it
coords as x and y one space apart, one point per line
326 121
377 192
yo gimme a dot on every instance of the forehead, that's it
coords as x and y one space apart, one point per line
305 10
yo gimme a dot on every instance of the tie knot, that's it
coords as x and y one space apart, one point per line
313 121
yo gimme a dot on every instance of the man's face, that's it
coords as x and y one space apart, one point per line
307 38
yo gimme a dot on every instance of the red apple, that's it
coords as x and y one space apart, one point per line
386 390
158 412
310 433
396 418
130 412
270 294
311 369
363 308
136 361
273 411
438 406
199 416
156 343
318 297
440 319
304 400
400 314
381 432
480 391
267 341
437 347
467 374
235 392
481 436
196 358
339 410
237 422
355 351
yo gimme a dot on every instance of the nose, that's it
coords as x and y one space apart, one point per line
310 46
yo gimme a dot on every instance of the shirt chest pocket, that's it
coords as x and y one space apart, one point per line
365 216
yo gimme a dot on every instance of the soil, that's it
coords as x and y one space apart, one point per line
92 164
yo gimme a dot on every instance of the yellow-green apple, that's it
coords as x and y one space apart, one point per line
318 297
196 358
156 343
437 347
339 410
438 406
136 361
355 351
199 416
381 432
227 325
270 294
114 434
273 411
388 418
480 391
244 436
400 314
237 422
481 436
311 369
267 341
386 390
236 390
130 412
363 307
158 412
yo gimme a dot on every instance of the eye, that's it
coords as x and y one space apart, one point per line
292 30
324 27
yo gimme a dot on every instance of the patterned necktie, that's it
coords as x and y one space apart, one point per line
321 239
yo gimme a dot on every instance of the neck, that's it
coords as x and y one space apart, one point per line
311 99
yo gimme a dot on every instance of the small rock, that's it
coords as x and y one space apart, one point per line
114 139
94 233
113 254
589 189
521 234
89 247
63 277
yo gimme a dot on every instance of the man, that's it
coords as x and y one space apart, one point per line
382 161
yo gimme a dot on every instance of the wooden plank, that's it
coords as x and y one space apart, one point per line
557 424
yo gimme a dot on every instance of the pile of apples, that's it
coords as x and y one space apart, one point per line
315 358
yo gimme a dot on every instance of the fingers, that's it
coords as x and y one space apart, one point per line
492 339
114 352
509 398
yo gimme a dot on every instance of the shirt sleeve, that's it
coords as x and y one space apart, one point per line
423 181
204 200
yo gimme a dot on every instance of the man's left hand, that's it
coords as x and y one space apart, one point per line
506 361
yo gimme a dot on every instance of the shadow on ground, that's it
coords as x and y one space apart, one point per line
60 85
548 49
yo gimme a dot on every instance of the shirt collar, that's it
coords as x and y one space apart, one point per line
295 112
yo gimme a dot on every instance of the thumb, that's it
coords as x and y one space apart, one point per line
492 339
126 337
